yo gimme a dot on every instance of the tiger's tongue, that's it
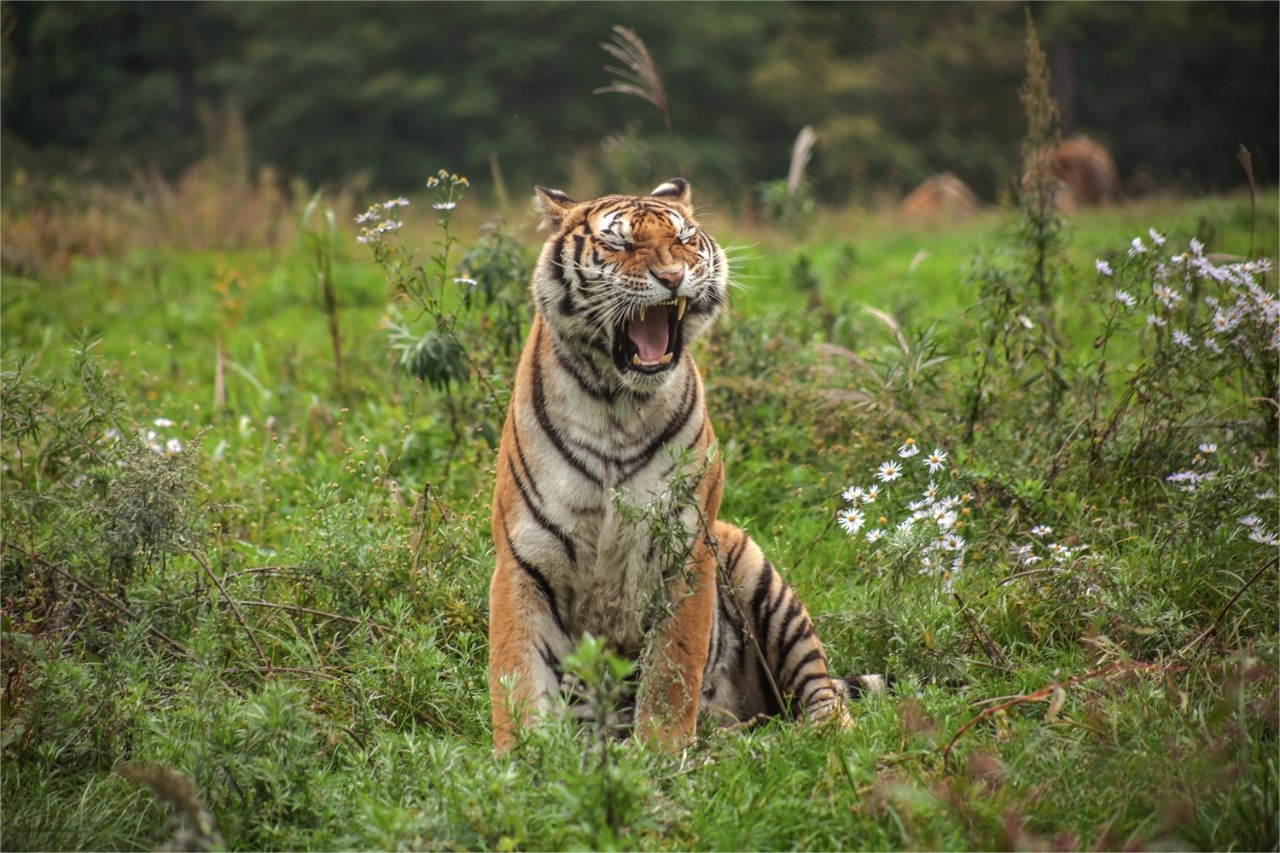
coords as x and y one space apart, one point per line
650 334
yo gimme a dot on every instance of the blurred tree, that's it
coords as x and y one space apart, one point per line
115 82
895 92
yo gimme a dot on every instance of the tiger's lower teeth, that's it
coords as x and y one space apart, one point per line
665 360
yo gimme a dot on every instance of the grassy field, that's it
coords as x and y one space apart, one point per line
245 580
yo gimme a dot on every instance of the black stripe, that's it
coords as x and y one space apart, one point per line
544 586
672 429
758 599
546 523
814 655
788 646
735 554
524 463
799 686
544 418
589 388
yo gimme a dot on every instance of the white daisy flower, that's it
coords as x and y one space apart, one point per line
1125 298
1102 266
853 494
935 460
1136 247
1156 236
875 534
889 471
1208 447
851 520
1041 530
909 449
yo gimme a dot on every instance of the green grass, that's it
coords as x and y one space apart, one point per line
322 682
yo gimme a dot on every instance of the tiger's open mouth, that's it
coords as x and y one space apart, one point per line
649 340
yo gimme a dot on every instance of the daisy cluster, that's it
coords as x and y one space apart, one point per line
1204 469
1245 314
379 220
1042 547
932 521
154 441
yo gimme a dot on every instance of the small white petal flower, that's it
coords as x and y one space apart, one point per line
163 422
851 520
1251 521
1197 248
1102 266
465 281
1125 299
909 449
1156 236
1182 339
1265 537
853 494
931 492
875 534
889 471
1208 447
173 446
1041 530
1136 247
1158 322
935 460
445 205
873 492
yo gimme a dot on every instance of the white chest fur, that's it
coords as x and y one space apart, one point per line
603 524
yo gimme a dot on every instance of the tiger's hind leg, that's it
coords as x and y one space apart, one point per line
765 657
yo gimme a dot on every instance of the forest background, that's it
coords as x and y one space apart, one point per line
386 92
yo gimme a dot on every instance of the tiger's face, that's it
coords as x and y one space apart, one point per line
628 282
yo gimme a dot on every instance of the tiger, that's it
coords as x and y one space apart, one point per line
607 421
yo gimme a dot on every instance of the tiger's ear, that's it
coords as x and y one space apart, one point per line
553 206
675 190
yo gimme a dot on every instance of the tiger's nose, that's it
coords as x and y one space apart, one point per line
670 276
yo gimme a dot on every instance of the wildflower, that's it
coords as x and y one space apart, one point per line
1103 267
466 281
445 205
935 460
1265 537
1166 295
1041 530
1212 345
853 494
875 534
1136 248
873 492
1125 299
1208 447
889 471
1251 521
163 422
1156 236
1182 339
851 520
173 447
396 202
1267 495
1197 248
1158 322
931 492
909 449
373 214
